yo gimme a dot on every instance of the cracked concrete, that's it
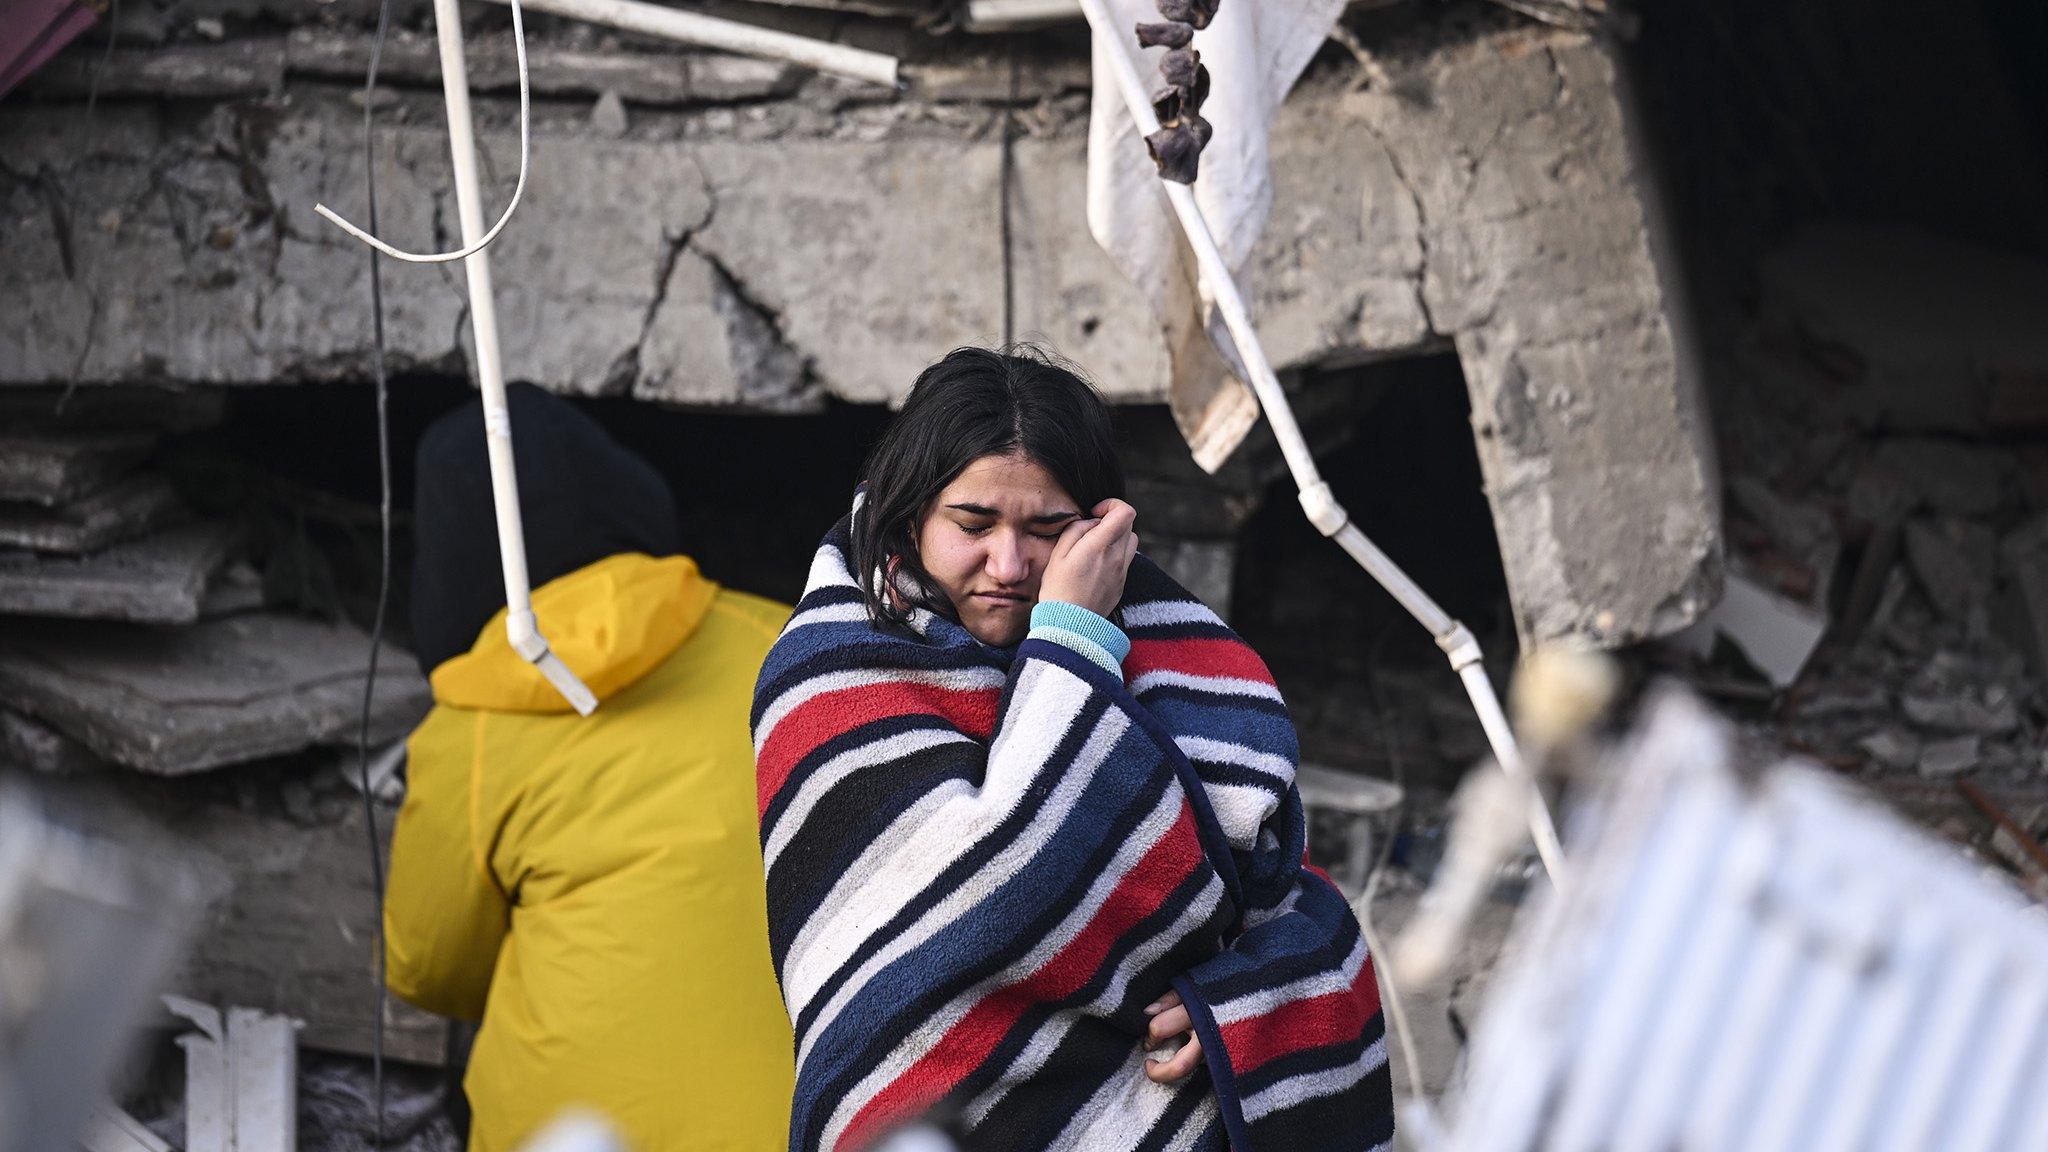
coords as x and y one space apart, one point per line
769 256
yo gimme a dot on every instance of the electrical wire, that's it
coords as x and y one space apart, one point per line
1005 180
383 551
518 189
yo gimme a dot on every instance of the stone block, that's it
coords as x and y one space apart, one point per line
157 579
119 513
57 468
171 701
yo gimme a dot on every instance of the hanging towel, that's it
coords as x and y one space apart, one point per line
1254 50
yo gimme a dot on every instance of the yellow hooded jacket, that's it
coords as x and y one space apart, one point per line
591 888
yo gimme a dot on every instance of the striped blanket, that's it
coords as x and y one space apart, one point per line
984 863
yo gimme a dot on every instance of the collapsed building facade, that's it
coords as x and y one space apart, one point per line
1470 280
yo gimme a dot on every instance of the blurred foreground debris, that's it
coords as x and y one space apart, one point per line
89 926
1762 961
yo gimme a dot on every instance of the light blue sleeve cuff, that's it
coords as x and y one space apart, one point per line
1065 624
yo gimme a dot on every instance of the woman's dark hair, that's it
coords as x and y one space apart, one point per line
975 402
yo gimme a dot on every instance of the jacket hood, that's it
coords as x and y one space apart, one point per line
611 622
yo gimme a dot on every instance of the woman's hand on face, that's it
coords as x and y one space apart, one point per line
1092 558
1170 1021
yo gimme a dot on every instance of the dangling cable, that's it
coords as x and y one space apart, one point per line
383 553
518 189
1005 179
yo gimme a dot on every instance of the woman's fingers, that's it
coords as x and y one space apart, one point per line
1176 1066
1170 1000
1169 1023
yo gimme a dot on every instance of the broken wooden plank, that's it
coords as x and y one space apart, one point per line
163 578
126 510
226 691
58 468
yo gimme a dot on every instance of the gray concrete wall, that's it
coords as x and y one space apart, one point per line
773 249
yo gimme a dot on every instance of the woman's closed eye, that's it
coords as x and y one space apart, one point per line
982 529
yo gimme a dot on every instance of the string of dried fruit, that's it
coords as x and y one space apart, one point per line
1177 146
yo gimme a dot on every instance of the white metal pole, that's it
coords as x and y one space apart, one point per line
521 629
726 35
1317 501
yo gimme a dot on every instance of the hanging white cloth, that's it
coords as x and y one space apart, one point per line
1254 50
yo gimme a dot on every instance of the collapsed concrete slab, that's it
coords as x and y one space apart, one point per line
158 579
86 525
56 468
181 700
771 256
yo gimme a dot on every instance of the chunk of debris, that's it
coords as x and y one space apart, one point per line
126 510
1776 633
1892 747
2024 608
173 701
1956 563
608 117
1952 757
158 579
1995 714
60 467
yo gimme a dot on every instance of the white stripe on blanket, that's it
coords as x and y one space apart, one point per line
1157 613
833 771
1306 988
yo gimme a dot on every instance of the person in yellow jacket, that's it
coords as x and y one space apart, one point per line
590 888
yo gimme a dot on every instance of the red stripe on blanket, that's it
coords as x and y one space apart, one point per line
831 714
970 1042
1300 1025
1196 657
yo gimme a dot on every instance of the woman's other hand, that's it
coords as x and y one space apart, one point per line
1170 1021
1092 558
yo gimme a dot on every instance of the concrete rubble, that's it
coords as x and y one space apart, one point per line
122 512
1868 481
691 246
175 701
57 468
158 579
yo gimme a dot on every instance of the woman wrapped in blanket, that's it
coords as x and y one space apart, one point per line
1034 850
